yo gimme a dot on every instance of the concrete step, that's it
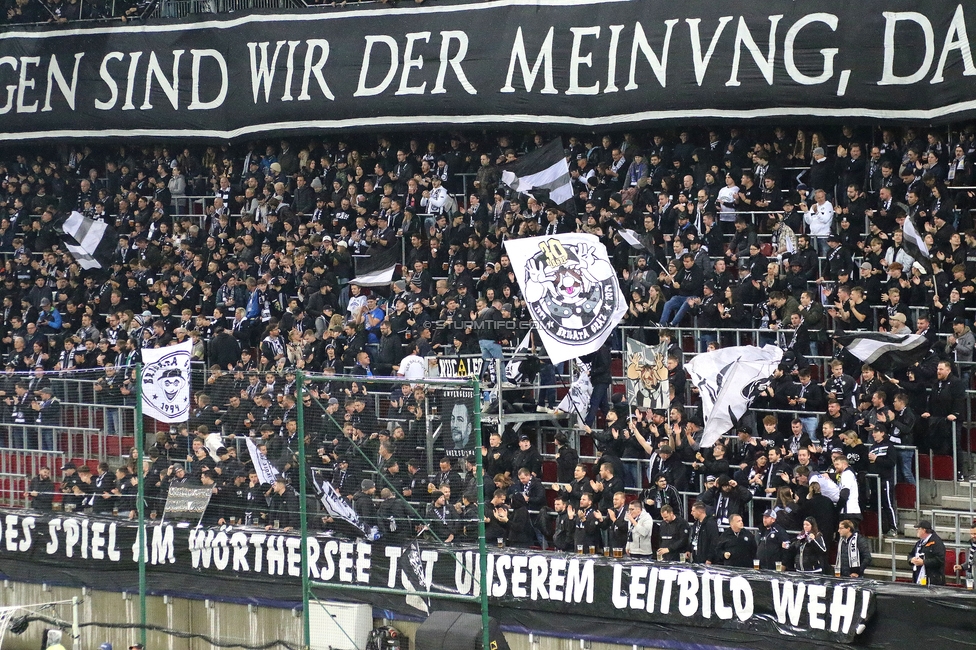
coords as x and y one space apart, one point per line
961 502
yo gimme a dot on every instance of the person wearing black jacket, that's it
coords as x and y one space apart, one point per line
282 507
562 531
736 547
526 457
498 458
708 309
703 535
600 378
809 399
588 521
618 529
687 283
809 549
726 498
495 528
945 406
928 557
773 543
566 459
882 458
362 503
901 431
103 500
853 551
607 486
673 536
40 491
659 495
440 518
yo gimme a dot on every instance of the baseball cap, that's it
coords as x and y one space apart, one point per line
900 317
866 266
769 513
367 485
68 466
924 523
523 437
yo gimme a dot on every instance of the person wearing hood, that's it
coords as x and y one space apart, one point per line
362 502
960 344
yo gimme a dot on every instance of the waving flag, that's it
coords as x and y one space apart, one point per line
92 243
914 244
166 382
377 269
707 369
571 290
883 351
740 384
543 175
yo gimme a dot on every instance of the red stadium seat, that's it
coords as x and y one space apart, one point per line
905 495
943 469
950 562
869 524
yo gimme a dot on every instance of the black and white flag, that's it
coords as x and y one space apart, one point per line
377 270
728 380
543 175
570 289
262 465
883 351
914 244
337 507
165 384
92 243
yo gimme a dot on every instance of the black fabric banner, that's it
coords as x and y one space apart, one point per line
562 595
585 63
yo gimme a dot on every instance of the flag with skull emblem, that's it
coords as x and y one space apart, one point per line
166 382
571 290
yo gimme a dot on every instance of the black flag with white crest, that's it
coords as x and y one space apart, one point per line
543 175
92 243
883 351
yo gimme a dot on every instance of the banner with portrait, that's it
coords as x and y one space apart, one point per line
647 376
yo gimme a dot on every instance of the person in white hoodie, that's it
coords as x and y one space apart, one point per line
641 526
819 217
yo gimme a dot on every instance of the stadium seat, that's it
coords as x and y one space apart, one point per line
942 468
869 524
905 495
549 471
950 562
923 466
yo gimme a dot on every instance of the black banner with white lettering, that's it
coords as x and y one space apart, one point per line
547 592
583 63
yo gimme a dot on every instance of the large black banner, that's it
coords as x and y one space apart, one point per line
563 595
586 63
627 590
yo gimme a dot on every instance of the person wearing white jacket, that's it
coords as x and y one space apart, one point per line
641 527
819 218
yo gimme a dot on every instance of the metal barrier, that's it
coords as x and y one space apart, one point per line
18 466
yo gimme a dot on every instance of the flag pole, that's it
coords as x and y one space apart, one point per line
141 505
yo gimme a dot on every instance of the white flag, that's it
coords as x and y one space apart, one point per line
571 290
577 399
707 369
741 383
166 382
265 470
335 505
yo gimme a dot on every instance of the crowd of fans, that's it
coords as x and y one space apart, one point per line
729 244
